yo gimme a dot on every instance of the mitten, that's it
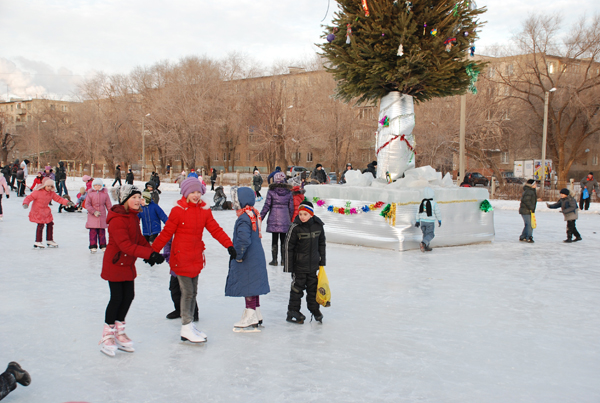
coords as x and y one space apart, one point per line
96 213
232 252
439 223
418 224
7 196
156 258
25 206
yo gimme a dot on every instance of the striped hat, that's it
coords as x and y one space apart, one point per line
308 207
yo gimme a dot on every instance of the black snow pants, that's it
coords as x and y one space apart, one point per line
572 230
301 282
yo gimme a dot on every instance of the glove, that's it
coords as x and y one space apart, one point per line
232 252
7 196
148 261
440 223
25 206
96 213
156 258
417 224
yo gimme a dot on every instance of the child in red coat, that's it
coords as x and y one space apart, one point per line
40 213
186 223
125 245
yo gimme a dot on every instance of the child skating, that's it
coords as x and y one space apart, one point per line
97 205
248 271
429 212
151 216
305 252
3 191
568 206
125 245
186 224
40 212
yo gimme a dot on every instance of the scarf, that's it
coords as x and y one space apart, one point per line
427 206
254 217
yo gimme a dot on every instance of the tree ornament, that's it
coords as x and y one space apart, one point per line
486 206
400 50
434 32
449 43
348 34
472 49
330 38
385 121
424 27
466 33
408 6
473 72
365 7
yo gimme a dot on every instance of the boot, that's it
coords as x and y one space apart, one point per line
19 373
124 343
282 256
188 333
295 317
93 248
38 245
51 244
259 315
249 319
108 345
318 316
174 315
274 252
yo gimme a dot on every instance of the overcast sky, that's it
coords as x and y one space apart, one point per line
48 45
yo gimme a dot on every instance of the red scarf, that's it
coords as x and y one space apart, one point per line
254 217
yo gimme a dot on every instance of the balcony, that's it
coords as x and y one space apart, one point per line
21 111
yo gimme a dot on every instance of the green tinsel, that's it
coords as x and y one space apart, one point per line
473 73
486 206
385 210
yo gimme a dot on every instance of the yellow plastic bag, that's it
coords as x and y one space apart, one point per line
533 221
323 291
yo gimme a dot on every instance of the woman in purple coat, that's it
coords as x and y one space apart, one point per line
280 206
97 204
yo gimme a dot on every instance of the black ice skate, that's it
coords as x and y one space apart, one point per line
318 316
295 317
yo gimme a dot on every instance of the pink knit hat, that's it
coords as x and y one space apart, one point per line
192 185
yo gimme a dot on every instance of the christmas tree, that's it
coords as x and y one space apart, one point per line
398 51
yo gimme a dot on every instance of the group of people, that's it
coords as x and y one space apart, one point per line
566 203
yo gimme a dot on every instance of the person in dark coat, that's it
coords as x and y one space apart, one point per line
588 186
568 206
151 188
305 253
13 174
319 174
219 198
257 182
129 177
61 177
6 170
528 204
279 205
213 178
348 168
372 167
117 175
248 271
20 182
156 179
270 178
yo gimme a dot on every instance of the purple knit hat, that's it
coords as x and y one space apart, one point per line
279 177
192 185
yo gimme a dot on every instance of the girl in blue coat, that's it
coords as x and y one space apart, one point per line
248 272
151 216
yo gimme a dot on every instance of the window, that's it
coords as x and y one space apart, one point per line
505 90
28 107
510 70
296 157
364 157
64 108
29 118
237 156
216 157
248 157
52 107
178 157
504 157
551 67
309 157
365 113
260 157
505 115
491 72
18 106
595 159
250 139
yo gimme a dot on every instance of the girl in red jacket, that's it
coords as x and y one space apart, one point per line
186 222
125 245
41 214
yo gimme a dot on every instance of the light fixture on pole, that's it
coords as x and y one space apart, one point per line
144 149
544 136
38 145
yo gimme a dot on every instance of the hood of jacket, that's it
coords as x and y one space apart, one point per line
428 193
246 197
278 187
119 211
297 190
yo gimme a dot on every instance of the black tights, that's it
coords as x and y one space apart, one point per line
121 296
276 237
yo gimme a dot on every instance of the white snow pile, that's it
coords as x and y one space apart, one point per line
413 178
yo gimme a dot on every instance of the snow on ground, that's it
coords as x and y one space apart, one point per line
500 322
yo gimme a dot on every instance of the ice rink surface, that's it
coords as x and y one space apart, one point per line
500 322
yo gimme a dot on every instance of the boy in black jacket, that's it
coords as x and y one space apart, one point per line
305 247
568 206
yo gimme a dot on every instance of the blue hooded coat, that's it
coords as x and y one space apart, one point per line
248 273
151 216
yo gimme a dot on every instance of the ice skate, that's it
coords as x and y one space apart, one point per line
530 240
38 245
318 316
93 249
295 317
103 248
568 240
199 332
108 345
19 373
51 244
422 246
259 316
188 333
248 323
174 315
577 239
428 249
124 343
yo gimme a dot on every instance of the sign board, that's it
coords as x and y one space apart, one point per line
518 169
537 170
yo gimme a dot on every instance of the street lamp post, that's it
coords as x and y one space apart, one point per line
544 136
38 145
144 149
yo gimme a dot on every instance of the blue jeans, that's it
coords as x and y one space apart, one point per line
61 187
527 231
427 228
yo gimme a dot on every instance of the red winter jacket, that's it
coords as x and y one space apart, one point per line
40 212
187 222
125 245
